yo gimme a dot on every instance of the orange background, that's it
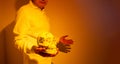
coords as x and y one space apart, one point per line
94 25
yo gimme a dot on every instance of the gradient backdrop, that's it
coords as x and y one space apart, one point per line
94 25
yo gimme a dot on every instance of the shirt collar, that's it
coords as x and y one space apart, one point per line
34 6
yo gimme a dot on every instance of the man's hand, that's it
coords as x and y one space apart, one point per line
64 44
38 49
66 41
41 51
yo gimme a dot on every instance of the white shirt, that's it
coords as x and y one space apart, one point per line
30 21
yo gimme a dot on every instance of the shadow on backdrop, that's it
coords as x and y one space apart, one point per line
2 47
12 55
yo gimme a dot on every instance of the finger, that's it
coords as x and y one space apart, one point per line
66 51
68 47
65 36
66 44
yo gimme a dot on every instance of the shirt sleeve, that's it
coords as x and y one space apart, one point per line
21 29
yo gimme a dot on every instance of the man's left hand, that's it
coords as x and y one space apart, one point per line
64 44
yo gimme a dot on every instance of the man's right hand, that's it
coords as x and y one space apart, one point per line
41 51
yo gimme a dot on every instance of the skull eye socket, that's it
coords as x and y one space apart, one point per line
40 40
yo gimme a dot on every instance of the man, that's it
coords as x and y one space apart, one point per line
30 22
